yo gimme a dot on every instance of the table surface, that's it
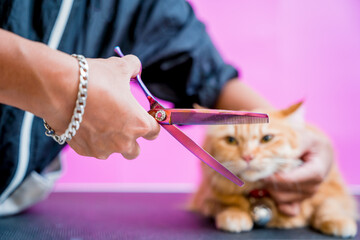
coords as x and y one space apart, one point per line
125 216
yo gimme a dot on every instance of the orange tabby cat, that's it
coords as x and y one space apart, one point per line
257 151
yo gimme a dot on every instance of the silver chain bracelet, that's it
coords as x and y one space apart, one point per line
79 108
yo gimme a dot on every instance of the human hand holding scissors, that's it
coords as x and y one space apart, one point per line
166 117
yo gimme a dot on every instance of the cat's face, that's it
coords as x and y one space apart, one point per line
256 151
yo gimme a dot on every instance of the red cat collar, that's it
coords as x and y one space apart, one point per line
259 193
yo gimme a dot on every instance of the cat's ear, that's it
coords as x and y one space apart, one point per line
295 114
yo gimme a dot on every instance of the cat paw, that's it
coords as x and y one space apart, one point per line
341 227
209 208
234 220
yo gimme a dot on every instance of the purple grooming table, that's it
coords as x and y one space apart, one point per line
125 216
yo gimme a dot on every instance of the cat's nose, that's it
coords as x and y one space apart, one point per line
247 158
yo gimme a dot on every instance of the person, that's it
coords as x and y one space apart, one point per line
179 63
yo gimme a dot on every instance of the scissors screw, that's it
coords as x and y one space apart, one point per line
160 115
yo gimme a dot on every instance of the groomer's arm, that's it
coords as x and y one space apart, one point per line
45 82
37 79
236 95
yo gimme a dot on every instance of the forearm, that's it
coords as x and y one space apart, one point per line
36 78
236 95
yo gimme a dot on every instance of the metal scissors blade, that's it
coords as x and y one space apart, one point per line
201 153
159 113
206 117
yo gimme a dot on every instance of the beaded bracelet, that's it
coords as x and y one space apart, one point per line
79 108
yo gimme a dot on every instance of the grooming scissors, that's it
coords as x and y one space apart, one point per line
166 117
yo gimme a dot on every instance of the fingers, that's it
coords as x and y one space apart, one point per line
149 129
288 197
306 176
153 129
132 152
132 65
277 183
290 209
286 189
80 149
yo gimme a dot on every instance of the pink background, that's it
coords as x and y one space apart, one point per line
287 50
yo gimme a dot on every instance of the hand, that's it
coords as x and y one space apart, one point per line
45 82
289 189
113 119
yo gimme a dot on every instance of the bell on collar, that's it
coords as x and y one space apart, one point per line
261 214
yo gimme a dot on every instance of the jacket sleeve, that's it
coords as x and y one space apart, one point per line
180 62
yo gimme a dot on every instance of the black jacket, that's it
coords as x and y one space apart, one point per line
180 63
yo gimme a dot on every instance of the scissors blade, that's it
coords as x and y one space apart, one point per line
201 153
214 117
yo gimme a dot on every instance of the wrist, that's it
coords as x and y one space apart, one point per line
79 109
59 80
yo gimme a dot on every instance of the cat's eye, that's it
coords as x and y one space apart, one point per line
231 140
267 138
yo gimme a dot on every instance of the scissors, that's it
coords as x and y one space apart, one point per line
167 117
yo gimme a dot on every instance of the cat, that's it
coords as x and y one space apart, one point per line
257 151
